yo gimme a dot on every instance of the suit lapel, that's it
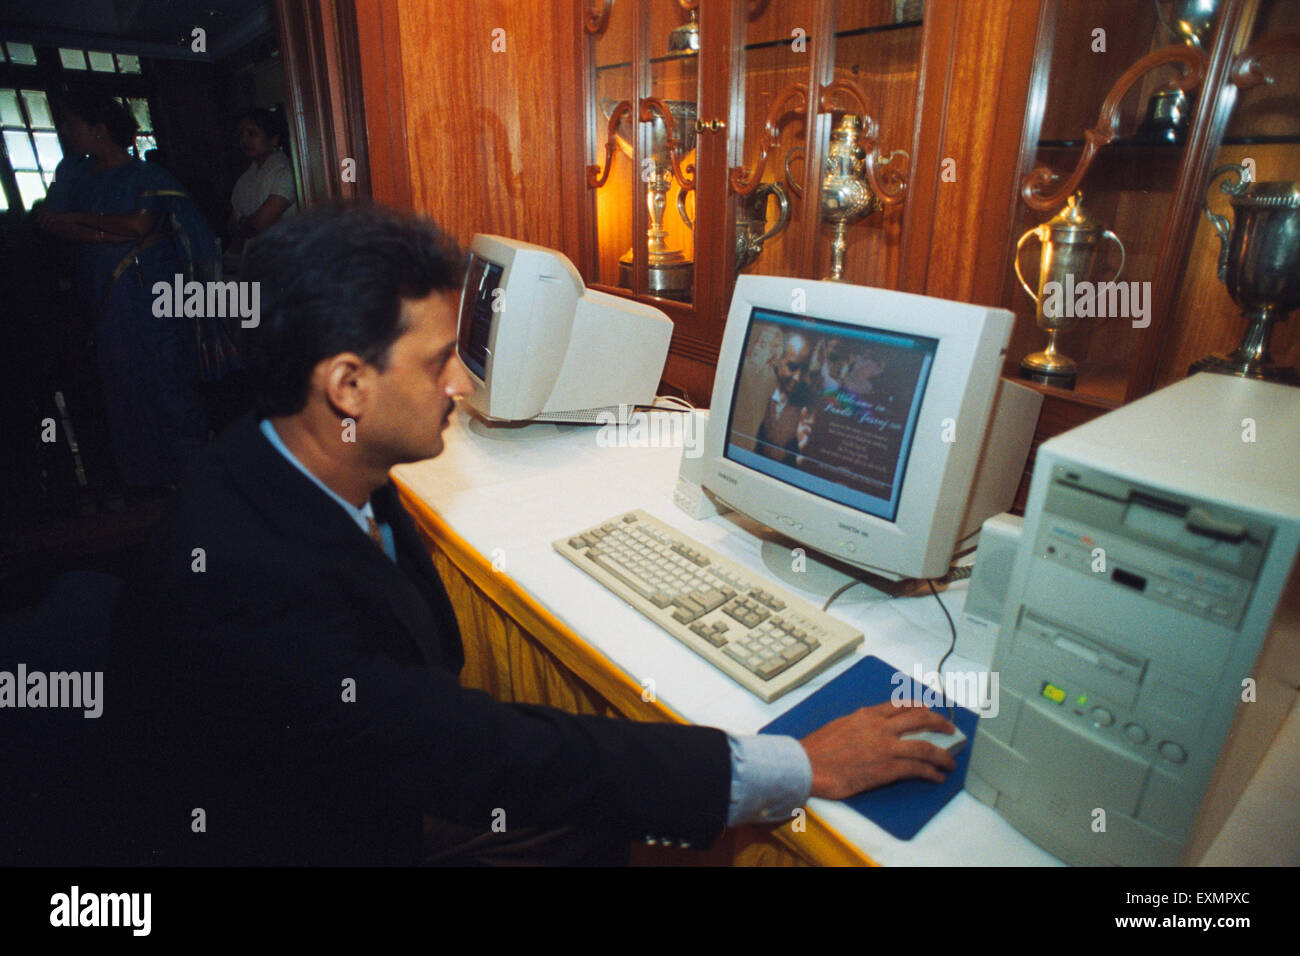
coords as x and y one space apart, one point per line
414 560
289 501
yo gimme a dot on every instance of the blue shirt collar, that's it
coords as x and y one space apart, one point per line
359 515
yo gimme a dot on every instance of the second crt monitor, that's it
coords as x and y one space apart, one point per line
542 347
857 421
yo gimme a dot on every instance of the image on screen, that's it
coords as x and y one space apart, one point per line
829 408
482 278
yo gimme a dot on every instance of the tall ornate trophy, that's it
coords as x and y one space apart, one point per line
845 197
1069 243
670 273
1259 261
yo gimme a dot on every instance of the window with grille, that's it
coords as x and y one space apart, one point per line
31 143
27 125
97 61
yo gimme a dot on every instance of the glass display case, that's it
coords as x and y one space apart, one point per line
729 136
1133 108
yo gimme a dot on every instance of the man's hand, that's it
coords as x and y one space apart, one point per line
862 751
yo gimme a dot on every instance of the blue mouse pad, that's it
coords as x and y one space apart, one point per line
901 808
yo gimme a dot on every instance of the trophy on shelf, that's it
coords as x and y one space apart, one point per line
685 39
1168 111
846 196
1191 21
1259 261
751 220
1069 243
670 274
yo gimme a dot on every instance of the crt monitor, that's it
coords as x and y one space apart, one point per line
541 346
855 421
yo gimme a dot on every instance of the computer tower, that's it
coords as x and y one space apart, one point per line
1149 646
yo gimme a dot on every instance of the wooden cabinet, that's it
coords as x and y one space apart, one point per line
501 130
711 127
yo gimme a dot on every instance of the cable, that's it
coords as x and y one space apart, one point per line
838 592
672 403
958 572
951 645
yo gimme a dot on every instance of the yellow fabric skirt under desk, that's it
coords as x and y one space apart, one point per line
517 651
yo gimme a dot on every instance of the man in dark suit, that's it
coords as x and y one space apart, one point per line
283 687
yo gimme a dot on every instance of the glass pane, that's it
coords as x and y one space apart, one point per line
30 187
38 109
140 110
20 150
10 115
4 197
3 59
47 150
128 64
1263 137
769 219
674 79
1100 314
72 59
47 178
102 62
878 53
21 53
143 144
612 56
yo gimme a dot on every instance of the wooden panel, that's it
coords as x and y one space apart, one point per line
690 377
1061 412
485 126
379 42
975 82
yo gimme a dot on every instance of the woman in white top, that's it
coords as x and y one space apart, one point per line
265 192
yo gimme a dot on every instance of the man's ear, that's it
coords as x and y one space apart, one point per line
347 381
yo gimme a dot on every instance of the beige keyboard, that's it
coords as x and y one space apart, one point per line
766 639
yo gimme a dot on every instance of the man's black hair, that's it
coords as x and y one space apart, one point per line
332 281
93 107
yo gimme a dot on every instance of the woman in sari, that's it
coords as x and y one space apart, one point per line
113 207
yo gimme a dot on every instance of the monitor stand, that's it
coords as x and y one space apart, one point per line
517 431
802 569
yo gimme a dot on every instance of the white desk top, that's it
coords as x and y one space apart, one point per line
510 498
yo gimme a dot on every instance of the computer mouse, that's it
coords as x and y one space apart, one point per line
954 743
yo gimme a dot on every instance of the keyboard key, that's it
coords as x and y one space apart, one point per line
796 653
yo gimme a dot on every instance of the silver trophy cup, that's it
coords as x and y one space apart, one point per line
1259 262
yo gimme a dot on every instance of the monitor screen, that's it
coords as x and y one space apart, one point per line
829 408
478 297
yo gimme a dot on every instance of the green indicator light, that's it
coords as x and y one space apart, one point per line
1081 700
